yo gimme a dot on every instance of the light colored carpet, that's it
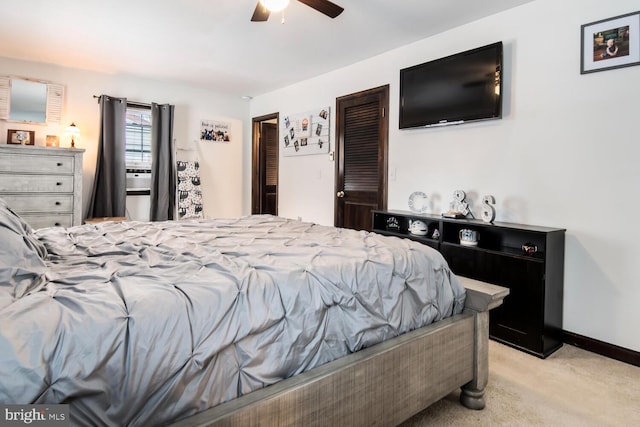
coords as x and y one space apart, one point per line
572 387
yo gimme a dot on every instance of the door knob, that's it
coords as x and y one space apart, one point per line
340 194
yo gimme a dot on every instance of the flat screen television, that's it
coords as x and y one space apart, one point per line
459 88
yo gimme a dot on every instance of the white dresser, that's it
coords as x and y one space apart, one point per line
42 184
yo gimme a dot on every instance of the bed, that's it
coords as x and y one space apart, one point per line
258 320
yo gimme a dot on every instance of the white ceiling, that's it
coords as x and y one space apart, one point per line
213 44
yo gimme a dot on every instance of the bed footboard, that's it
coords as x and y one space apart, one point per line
381 385
481 297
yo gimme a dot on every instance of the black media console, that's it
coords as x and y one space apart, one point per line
529 260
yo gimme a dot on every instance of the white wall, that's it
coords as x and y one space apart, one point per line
564 155
221 171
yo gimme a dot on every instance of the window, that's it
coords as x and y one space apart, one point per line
138 138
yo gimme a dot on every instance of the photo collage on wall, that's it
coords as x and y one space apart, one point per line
305 133
189 191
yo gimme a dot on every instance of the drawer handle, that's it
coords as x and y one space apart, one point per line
59 164
57 203
58 183
57 224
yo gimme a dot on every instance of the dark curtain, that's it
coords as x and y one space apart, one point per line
109 187
163 169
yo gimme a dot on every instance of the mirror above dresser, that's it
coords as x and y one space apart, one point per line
24 100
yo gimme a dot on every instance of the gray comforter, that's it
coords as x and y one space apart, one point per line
144 323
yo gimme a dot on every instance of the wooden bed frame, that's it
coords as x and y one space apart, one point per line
382 385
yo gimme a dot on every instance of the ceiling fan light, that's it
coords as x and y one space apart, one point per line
274 5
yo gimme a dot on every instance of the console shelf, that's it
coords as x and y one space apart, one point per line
530 318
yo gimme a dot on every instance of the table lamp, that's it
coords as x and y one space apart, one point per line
73 132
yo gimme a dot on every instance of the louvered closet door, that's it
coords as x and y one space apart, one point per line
361 157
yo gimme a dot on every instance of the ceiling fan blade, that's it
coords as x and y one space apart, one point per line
324 6
261 13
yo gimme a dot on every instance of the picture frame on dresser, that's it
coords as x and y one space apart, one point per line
21 137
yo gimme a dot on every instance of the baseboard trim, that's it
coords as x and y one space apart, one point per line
600 347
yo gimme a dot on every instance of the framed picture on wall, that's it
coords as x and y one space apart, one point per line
610 43
20 137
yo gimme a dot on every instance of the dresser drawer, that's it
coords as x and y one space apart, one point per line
54 203
52 220
36 183
37 164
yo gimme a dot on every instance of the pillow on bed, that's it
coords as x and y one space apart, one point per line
12 221
22 266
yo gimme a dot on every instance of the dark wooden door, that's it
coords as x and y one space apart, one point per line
269 171
264 194
362 132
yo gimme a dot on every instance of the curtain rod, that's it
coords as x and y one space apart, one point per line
132 103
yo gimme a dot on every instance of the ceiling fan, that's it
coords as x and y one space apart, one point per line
263 9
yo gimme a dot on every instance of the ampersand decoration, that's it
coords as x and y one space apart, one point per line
458 204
